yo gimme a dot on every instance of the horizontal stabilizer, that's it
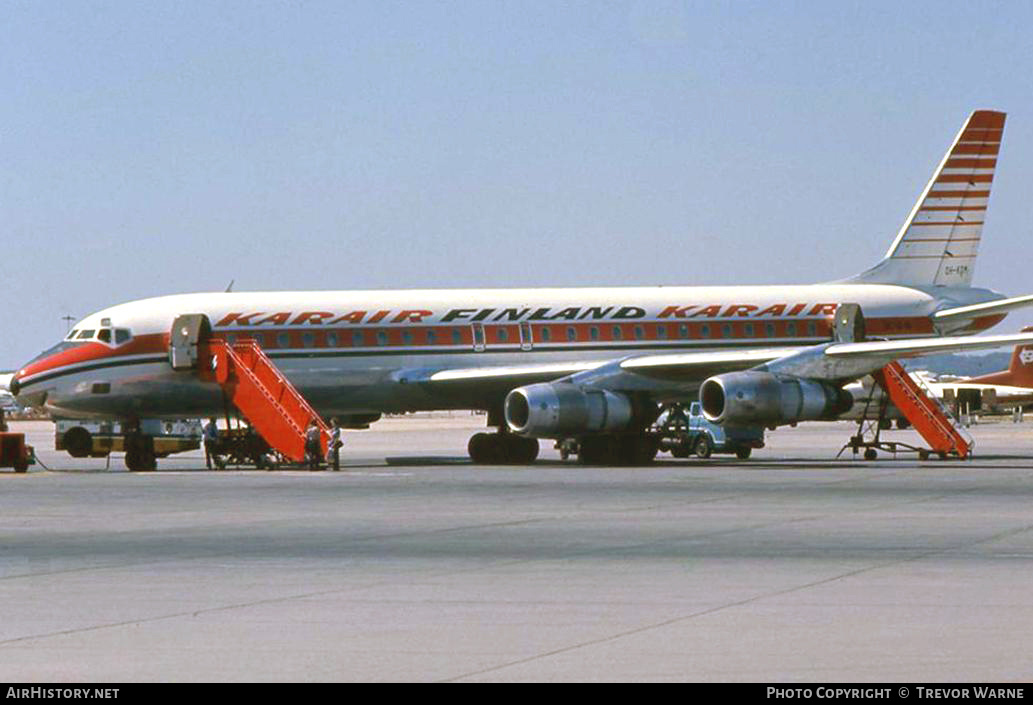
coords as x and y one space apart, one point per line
926 346
988 308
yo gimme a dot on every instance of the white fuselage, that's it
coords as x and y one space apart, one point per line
353 352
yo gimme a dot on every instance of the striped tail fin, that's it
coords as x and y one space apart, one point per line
939 241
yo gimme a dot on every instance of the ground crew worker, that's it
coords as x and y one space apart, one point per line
312 450
211 444
333 447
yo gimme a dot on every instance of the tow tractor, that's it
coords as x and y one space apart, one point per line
14 453
682 435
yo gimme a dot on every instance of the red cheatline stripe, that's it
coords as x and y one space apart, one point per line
958 194
952 208
959 223
963 178
976 148
970 162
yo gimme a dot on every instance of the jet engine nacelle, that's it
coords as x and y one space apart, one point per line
762 398
558 410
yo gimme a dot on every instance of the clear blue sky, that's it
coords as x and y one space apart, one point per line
160 147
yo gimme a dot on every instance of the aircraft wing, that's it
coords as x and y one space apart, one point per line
673 375
988 308
676 366
829 361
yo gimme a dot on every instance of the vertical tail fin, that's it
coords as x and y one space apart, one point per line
939 241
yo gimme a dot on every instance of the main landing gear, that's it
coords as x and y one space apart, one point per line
612 449
502 448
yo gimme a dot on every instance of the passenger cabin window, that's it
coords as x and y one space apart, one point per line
308 339
431 337
331 340
283 340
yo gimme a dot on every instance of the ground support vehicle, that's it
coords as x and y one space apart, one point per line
14 453
682 435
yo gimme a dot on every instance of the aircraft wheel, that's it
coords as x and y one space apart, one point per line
704 447
140 453
743 452
870 454
78 442
519 450
482 448
594 450
638 450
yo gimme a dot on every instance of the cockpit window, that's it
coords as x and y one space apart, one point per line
85 335
121 335
104 335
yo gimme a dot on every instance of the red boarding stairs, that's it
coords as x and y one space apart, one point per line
260 391
926 413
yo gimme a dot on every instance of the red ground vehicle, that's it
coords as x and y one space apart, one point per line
14 453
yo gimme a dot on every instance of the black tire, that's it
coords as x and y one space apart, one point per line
78 442
481 448
515 450
21 467
704 447
743 452
870 454
594 450
638 450
903 423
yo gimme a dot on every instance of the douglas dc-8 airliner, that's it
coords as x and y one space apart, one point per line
595 364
